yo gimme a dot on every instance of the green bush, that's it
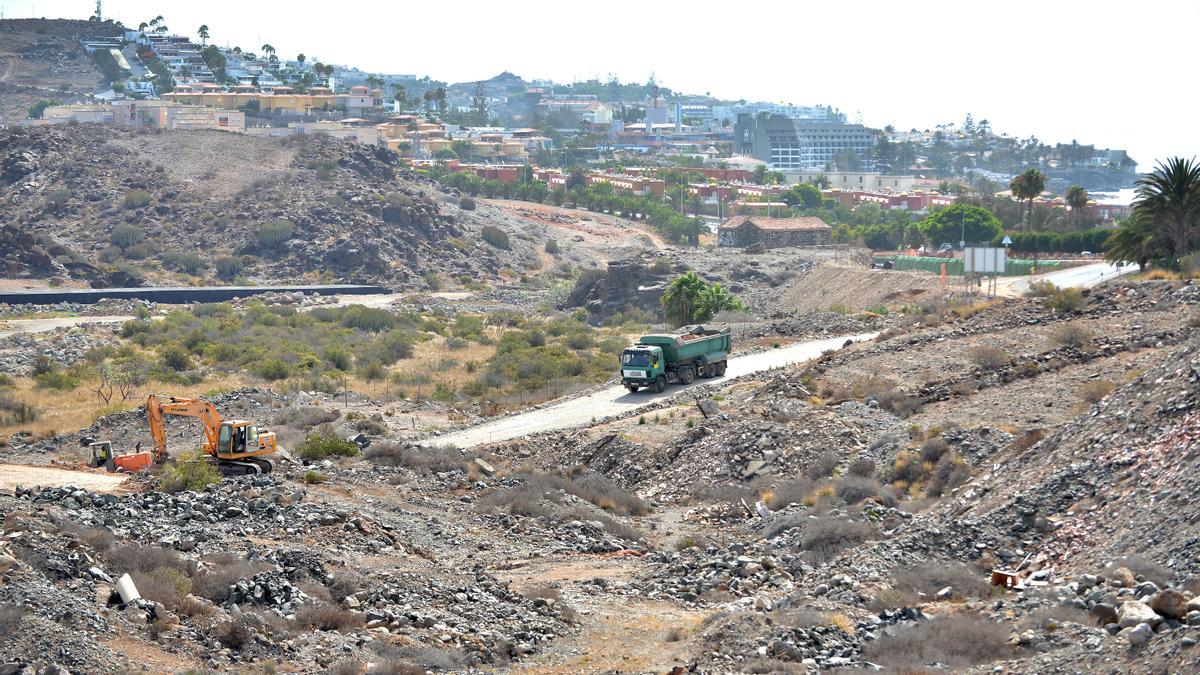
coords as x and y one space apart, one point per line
552 246
468 204
229 266
274 233
468 327
323 442
136 199
1066 300
125 236
312 477
176 358
56 199
137 252
59 380
192 472
495 237
338 358
183 261
271 369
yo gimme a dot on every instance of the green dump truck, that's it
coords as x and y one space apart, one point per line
655 360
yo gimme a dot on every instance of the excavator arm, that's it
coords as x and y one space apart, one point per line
184 407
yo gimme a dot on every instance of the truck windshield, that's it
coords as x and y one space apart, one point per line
638 358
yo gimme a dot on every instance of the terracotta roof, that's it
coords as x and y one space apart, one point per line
805 223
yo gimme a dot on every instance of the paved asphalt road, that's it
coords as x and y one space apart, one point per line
615 400
1084 276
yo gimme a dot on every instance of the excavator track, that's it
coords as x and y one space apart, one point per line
245 467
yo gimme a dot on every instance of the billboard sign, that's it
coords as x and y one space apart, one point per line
984 260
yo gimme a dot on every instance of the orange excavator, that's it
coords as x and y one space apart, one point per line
238 446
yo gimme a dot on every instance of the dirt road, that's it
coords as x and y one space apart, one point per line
13 326
12 475
616 400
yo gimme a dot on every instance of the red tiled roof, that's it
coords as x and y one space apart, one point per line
805 223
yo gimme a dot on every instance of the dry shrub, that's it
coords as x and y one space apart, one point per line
306 416
315 591
933 449
145 559
345 582
434 459
587 485
951 472
862 466
224 570
788 492
785 523
402 660
988 358
233 634
954 641
10 619
1050 618
548 592
611 525
825 537
1144 568
929 579
164 585
322 616
1027 440
854 489
1071 335
99 538
822 466
1094 391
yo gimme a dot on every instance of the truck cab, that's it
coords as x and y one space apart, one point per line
641 366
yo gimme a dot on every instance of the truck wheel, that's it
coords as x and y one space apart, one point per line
632 388
720 369
660 384
686 375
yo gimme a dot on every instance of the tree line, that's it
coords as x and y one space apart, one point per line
1164 226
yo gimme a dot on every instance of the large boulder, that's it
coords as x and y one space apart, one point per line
1170 603
1133 612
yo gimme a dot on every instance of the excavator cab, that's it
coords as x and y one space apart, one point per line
239 441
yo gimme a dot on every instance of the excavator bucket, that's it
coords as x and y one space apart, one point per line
133 461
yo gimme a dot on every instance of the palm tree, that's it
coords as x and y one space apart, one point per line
203 33
300 58
681 296
1169 197
268 50
1027 186
1077 199
1137 240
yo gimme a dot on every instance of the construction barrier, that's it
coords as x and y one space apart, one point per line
954 266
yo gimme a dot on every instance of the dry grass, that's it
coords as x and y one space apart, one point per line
1094 391
322 616
988 358
1071 335
966 311
68 411
929 579
1159 275
954 641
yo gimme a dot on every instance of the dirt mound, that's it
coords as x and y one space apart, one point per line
169 206
833 284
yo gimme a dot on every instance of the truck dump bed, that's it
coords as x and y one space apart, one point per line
691 342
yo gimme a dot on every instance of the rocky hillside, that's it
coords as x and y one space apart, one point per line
102 203
42 59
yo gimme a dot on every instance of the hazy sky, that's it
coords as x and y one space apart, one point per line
1109 73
